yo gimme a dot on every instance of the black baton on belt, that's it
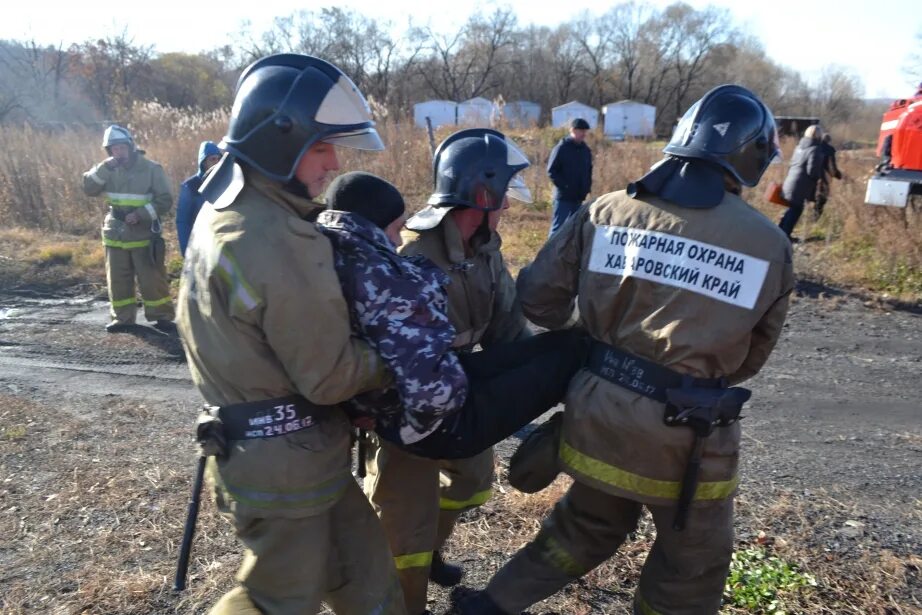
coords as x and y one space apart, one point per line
689 483
182 566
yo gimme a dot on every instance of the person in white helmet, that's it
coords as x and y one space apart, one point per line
138 195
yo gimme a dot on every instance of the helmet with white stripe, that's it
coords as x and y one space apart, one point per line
732 128
285 103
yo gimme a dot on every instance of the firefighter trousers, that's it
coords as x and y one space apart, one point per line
684 573
147 263
339 557
418 501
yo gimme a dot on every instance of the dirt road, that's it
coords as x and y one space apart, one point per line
96 428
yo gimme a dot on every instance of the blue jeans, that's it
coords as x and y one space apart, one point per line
562 211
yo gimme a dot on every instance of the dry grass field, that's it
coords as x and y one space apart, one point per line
43 206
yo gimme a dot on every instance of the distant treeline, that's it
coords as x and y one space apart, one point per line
664 57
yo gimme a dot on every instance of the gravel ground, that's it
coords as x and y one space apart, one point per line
832 451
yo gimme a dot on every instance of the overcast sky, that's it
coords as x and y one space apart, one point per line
802 34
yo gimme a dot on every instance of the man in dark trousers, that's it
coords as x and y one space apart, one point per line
805 171
570 168
830 170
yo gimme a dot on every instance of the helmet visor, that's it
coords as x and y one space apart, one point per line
777 157
367 139
518 190
517 159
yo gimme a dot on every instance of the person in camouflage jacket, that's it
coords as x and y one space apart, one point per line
398 305
441 406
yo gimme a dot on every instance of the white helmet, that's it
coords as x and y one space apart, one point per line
116 134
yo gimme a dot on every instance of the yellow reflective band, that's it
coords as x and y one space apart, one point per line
125 245
121 199
635 483
321 493
476 500
158 302
558 557
230 272
641 606
123 302
413 560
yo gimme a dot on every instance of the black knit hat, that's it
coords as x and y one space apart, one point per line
579 124
367 195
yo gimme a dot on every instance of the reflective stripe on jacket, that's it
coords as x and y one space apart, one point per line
658 281
140 188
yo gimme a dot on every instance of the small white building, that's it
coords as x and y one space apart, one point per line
629 119
476 112
562 116
519 114
439 112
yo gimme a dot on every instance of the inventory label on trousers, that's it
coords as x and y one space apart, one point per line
703 268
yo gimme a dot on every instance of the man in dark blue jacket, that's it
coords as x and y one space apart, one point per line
570 168
190 201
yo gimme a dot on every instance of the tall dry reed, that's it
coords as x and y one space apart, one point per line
40 187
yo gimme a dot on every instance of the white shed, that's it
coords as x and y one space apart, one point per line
562 116
476 112
629 118
519 114
439 112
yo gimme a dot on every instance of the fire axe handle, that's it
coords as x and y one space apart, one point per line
182 566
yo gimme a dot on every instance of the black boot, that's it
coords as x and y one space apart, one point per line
479 603
166 326
120 327
443 573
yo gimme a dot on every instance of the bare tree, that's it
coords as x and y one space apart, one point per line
694 36
109 69
630 22
838 94
565 51
467 60
596 36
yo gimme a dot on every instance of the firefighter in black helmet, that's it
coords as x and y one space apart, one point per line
267 335
684 288
418 500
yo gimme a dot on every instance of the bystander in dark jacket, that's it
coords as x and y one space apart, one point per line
805 171
570 169
190 201
830 170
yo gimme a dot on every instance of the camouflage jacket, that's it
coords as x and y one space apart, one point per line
399 306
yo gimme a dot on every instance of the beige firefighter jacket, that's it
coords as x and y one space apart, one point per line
482 304
707 297
141 188
262 315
